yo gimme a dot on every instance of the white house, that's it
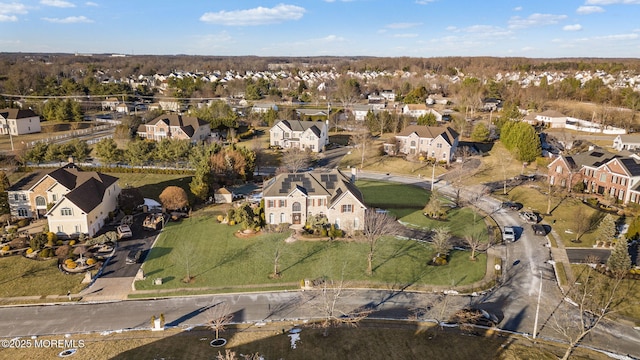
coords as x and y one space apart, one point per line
390 95
434 142
313 135
415 110
18 122
360 111
626 142
78 201
552 118
263 108
173 126
293 198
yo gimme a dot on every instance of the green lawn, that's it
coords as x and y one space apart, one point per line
399 199
219 259
460 222
151 185
24 277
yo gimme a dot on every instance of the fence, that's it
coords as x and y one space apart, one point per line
73 134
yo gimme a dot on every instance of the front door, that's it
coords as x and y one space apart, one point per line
296 218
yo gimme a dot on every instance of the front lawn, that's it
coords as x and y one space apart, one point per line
460 222
399 199
24 277
151 185
219 259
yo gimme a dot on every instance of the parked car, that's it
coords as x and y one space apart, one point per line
511 205
124 232
539 229
529 217
508 234
133 257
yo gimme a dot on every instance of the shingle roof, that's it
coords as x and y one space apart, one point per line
593 158
17 113
331 184
552 113
87 188
28 181
431 132
298 125
188 124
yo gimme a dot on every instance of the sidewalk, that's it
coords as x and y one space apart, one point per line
559 255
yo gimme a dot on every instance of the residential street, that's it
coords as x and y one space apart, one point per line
525 269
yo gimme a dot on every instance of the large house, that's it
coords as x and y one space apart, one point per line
434 142
313 135
18 122
626 142
173 126
613 175
74 201
294 198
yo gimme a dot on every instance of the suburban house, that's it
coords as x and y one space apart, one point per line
124 108
74 201
109 103
415 110
294 198
601 172
552 118
626 142
360 111
173 126
263 108
170 104
390 95
18 122
435 142
303 135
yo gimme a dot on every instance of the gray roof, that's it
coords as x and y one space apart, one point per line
331 184
431 132
17 113
188 124
592 158
298 125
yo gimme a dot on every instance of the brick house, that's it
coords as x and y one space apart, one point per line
293 198
74 201
601 172
435 142
173 126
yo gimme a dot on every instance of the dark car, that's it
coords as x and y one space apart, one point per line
475 317
511 205
539 229
133 257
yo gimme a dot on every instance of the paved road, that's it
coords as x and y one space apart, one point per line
577 256
525 270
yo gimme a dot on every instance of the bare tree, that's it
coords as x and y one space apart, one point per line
295 159
474 242
581 223
441 240
504 160
184 254
361 141
377 224
328 302
597 297
218 317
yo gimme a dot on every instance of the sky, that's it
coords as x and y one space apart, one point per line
388 28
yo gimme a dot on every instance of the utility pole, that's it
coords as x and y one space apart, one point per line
535 323
433 175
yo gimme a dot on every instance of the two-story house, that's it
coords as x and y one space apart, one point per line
73 201
434 142
312 135
173 126
18 122
294 198
626 142
552 118
613 175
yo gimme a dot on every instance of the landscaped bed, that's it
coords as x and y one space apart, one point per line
218 259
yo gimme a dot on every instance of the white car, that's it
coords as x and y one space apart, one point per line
124 232
508 234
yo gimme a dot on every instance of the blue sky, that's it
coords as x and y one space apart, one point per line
416 28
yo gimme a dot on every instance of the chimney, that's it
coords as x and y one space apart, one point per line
70 159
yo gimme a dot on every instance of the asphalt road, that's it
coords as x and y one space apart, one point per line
577 256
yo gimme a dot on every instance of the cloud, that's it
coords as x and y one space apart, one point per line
91 3
517 22
256 16
8 18
57 3
424 2
481 31
611 2
575 27
585 10
13 8
402 25
405 35
331 38
517 8
69 20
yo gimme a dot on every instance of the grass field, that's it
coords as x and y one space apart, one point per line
24 277
371 340
498 164
399 199
216 254
151 185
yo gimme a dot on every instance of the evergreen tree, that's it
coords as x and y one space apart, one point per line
480 133
4 197
607 229
620 260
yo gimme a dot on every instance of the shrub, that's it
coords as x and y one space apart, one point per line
46 252
220 218
323 232
91 261
72 265
335 232
29 251
6 248
23 222
63 251
52 237
232 222
439 261
72 242
59 243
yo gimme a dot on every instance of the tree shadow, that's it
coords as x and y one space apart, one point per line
157 252
310 254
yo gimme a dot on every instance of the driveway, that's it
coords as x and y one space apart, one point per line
577 256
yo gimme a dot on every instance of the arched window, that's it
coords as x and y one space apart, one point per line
40 201
337 223
413 143
296 207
